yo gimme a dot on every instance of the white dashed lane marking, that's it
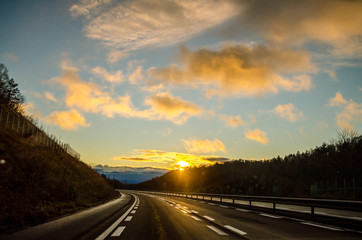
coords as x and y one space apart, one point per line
209 218
128 218
218 231
235 230
118 231
196 218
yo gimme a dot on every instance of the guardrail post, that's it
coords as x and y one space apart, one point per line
211 199
233 201
221 199
203 197
249 203
312 210
273 206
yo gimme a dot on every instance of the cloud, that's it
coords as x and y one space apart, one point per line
288 112
135 24
67 120
165 106
168 159
10 57
257 135
46 95
334 22
351 111
85 6
204 146
338 100
136 76
116 55
239 70
233 121
90 97
117 77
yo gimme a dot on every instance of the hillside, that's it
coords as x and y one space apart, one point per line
37 184
329 171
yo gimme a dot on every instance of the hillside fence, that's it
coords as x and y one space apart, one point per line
13 121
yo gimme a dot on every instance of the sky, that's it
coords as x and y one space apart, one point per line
154 84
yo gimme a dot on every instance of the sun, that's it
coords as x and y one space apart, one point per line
182 164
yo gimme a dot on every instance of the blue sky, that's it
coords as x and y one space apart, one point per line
168 83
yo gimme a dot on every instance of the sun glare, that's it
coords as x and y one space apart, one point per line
182 164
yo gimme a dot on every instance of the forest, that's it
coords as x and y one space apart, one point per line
331 170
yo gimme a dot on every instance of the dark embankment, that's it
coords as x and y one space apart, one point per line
328 171
37 184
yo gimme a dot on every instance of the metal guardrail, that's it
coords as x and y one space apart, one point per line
306 202
16 122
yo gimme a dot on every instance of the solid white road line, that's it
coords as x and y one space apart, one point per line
218 231
119 220
322 226
209 218
268 215
128 218
118 231
196 218
235 230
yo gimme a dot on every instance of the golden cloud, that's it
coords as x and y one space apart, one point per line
204 146
89 97
233 121
238 70
351 111
257 135
288 111
165 106
168 159
68 120
334 22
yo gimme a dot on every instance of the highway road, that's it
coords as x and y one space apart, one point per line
139 215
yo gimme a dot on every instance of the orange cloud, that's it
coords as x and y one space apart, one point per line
89 97
333 22
289 112
117 77
165 106
204 146
257 135
351 111
238 70
68 120
233 121
46 95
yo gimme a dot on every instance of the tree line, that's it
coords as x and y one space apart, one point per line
331 170
9 91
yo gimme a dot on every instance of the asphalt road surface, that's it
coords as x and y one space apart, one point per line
148 216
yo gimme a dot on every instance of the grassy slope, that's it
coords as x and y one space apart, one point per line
37 184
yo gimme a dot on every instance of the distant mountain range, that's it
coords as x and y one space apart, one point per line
130 175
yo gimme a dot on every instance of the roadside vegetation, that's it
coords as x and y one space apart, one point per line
37 183
329 171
